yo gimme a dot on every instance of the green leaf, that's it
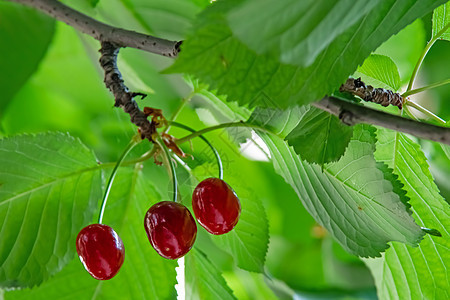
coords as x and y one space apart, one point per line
93 3
405 272
350 198
203 280
229 110
248 241
49 188
441 19
291 228
25 35
134 82
446 149
213 54
222 110
379 71
50 101
343 270
297 31
144 274
170 19
405 48
396 184
71 283
319 137
280 122
248 285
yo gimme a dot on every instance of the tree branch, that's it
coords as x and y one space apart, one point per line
351 114
103 32
123 97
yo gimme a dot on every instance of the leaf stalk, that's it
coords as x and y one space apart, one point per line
424 53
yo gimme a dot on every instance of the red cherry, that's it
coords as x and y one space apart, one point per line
216 206
100 250
170 228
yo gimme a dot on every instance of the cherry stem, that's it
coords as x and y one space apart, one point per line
216 154
424 53
169 163
134 141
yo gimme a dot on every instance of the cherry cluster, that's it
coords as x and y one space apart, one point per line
170 228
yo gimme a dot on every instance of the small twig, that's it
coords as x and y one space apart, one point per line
351 114
103 32
428 87
426 112
123 97
408 111
422 56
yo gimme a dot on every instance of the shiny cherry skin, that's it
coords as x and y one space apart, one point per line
216 206
100 250
170 228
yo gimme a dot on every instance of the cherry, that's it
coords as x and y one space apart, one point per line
216 206
170 228
100 250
